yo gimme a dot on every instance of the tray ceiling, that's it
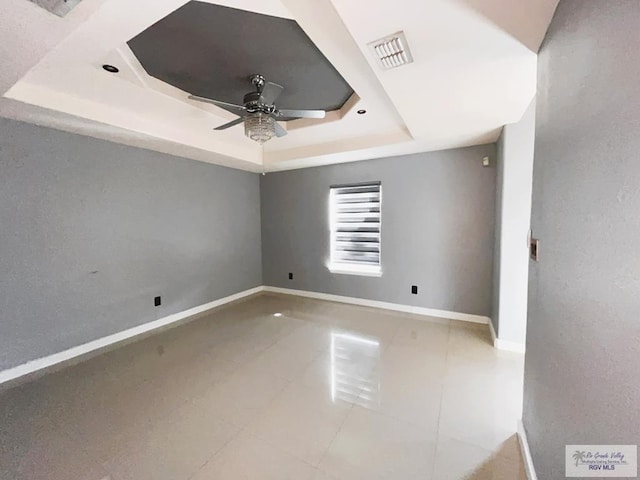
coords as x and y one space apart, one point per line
474 71
211 50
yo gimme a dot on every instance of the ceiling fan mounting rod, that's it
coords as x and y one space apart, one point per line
258 80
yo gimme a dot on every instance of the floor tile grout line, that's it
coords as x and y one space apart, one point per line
351 405
344 420
215 454
79 445
268 441
290 381
243 428
446 365
275 333
181 404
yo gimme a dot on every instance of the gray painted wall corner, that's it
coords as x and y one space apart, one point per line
438 213
92 231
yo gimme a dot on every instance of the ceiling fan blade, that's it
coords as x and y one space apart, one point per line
230 124
280 132
270 92
226 105
303 113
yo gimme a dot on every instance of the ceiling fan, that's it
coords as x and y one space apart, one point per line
259 112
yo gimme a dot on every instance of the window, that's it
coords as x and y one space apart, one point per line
355 228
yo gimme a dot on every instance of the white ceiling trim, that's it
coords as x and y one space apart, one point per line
474 71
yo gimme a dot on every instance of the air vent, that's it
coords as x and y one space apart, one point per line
392 51
57 7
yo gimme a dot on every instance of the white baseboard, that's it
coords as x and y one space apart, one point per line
526 453
431 312
509 346
506 345
493 334
65 356
57 359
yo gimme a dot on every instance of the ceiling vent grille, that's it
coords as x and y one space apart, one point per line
391 51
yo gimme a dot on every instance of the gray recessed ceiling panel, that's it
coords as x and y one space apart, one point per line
210 51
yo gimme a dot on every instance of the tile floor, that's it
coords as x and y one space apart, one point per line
276 388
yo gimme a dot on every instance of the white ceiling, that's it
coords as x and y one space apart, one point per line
474 71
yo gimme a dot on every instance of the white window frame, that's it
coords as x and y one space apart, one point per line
354 268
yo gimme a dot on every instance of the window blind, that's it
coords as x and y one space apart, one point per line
355 224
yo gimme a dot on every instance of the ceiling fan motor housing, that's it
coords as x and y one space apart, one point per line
252 98
253 102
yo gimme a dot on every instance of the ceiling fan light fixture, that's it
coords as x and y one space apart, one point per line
259 127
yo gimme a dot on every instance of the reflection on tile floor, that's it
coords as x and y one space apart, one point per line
321 391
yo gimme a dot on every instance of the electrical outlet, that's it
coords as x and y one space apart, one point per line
414 289
157 301
290 276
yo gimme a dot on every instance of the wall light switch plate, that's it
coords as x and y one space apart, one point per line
534 249
485 161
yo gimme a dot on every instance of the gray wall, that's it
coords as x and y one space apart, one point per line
438 214
91 231
583 339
